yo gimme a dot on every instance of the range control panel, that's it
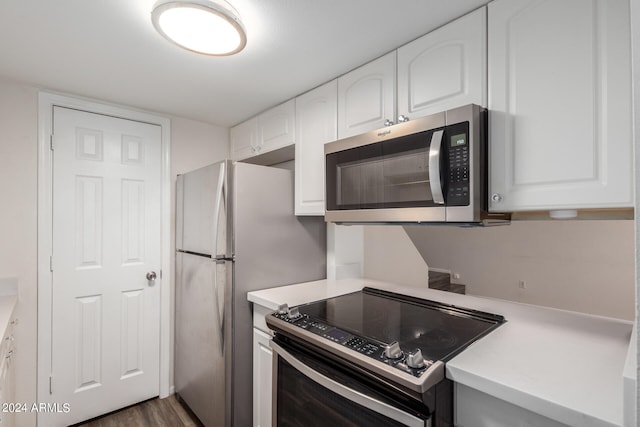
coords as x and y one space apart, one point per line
390 354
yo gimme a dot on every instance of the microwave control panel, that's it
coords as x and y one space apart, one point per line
458 169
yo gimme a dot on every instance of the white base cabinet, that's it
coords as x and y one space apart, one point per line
262 368
474 408
559 105
262 384
7 379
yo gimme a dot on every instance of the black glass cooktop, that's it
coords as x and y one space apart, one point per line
439 330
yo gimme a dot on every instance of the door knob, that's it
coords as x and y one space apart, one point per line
151 277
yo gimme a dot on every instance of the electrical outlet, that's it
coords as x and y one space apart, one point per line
522 284
455 276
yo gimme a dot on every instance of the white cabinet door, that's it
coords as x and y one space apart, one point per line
445 68
244 139
276 127
474 408
262 365
559 103
366 97
316 124
7 378
273 129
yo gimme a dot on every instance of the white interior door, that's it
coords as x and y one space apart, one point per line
106 237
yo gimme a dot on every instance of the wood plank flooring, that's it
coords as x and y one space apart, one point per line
156 412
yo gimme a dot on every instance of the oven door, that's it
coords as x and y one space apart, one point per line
311 392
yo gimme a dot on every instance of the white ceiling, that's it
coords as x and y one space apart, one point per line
108 50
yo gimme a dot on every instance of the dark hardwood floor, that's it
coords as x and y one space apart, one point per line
156 412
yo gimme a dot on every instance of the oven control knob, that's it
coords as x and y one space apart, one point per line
293 313
393 351
283 309
415 359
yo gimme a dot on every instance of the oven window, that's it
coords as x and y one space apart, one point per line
390 174
304 403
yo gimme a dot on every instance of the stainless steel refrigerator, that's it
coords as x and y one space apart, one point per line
235 232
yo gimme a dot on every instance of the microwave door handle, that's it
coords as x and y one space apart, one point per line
435 150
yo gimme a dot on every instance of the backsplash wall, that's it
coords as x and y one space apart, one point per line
585 266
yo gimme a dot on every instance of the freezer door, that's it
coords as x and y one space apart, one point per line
200 374
201 210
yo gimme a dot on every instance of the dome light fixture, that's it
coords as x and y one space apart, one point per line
210 27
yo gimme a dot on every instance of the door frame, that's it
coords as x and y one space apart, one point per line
46 102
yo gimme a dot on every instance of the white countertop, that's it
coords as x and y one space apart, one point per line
564 365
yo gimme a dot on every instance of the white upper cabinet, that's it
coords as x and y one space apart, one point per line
366 97
316 113
244 139
441 70
560 105
272 129
445 68
277 127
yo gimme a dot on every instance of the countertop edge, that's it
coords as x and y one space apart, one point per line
530 402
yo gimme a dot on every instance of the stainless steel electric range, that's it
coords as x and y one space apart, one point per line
369 358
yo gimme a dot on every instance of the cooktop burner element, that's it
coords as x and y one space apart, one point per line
408 334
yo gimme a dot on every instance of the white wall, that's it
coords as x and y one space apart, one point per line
18 220
586 266
390 256
194 144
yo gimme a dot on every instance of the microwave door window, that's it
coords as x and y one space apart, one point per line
361 184
406 172
388 174
406 178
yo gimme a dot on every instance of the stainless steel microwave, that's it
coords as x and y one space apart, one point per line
429 170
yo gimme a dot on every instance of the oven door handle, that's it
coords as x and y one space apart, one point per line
435 151
348 393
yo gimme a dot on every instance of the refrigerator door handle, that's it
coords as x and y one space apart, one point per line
219 298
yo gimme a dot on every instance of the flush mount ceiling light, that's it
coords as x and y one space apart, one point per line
207 27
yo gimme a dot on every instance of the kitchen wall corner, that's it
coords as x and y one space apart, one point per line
345 251
390 256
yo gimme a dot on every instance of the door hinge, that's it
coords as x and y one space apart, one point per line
51 142
51 263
